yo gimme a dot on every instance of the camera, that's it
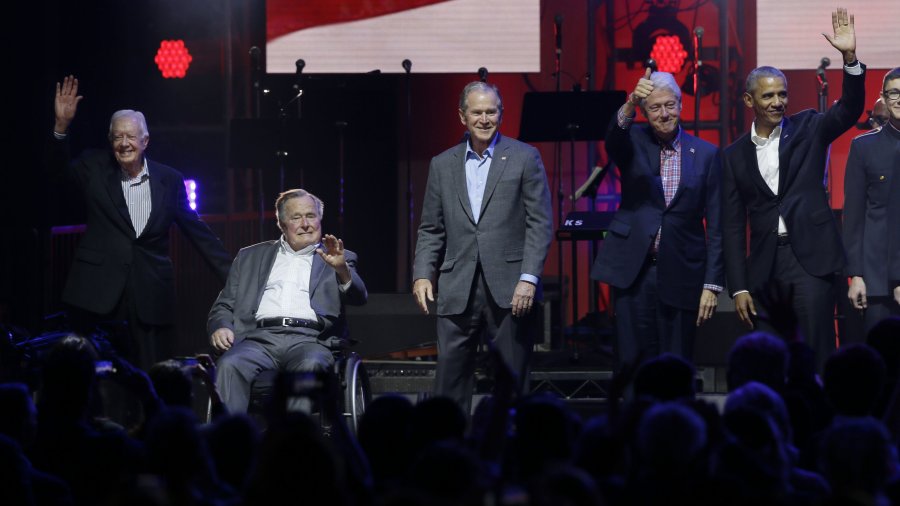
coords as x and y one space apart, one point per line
188 361
104 368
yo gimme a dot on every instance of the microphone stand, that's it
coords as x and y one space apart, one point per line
410 212
557 151
698 44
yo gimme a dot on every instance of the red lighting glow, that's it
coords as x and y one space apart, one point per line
668 53
173 59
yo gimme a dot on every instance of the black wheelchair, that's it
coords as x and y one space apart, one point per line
354 393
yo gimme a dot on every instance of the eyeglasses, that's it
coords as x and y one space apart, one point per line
670 106
893 94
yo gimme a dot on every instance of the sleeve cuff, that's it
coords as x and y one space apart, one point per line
623 120
346 286
713 288
735 294
529 278
59 136
854 68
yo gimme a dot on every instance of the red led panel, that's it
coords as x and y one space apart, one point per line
173 59
668 53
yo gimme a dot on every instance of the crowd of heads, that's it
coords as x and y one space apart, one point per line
783 435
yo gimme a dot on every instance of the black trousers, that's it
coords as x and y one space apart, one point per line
646 327
813 302
481 322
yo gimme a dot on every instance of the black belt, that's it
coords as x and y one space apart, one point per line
289 322
783 239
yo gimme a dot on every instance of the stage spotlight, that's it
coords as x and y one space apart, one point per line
190 187
662 37
173 59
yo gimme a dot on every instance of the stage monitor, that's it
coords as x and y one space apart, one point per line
437 36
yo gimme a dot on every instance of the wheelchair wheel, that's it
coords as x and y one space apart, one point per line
357 394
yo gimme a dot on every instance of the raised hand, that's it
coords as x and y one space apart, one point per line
844 38
332 252
66 103
642 89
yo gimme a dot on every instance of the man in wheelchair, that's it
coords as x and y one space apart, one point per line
282 306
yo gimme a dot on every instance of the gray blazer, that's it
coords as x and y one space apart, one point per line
512 235
236 306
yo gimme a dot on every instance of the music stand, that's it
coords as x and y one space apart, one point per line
568 116
267 144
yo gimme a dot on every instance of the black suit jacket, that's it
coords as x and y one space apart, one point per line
690 255
872 210
801 198
111 259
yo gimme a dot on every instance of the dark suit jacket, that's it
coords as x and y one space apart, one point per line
690 255
512 235
110 259
872 210
236 306
801 198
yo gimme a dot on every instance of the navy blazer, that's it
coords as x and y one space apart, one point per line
872 210
801 199
237 303
110 258
690 254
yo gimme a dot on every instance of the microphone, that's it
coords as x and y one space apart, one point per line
407 66
557 30
482 74
698 32
254 58
820 70
300 64
651 64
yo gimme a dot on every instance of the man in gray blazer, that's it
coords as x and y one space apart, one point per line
485 230
283 301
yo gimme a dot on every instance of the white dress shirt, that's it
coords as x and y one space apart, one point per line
287 289
767 159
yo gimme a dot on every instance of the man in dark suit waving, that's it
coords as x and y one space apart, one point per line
485 230
122 268
773 178
665 267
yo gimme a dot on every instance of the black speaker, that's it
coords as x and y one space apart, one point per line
390 322
401 377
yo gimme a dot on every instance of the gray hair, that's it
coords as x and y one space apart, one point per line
135 115
665 81
296 193
760 73
479 86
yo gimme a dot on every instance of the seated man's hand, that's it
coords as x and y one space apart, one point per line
222 339
332 253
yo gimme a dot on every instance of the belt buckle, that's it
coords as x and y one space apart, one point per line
287 322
